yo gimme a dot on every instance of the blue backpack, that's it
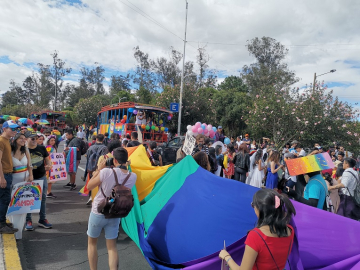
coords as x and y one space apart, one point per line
93 157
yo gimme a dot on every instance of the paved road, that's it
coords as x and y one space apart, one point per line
65 245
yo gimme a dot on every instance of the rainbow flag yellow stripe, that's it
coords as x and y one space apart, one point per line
20 169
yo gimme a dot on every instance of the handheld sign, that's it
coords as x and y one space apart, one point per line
189 144
308 164
26 198
58 170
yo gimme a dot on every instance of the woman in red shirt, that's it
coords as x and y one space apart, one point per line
269 244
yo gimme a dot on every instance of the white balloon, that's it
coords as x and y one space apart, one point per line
209 127
189 127
190 133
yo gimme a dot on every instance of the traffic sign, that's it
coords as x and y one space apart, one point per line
174 107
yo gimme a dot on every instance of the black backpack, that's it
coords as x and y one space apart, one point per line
93 158
120 201
83 147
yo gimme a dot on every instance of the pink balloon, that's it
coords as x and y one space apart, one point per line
209 127
211 133
194 129
204 124
206 131
198 124
200 130
195 134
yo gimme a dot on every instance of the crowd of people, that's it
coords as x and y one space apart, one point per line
25 156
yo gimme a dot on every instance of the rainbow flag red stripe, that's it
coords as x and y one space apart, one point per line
20 169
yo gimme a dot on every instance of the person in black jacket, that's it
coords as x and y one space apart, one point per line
242 163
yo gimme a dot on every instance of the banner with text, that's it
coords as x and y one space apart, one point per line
189 144
58 170
26 198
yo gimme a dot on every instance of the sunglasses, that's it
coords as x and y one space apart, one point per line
15 129
33 139
252 204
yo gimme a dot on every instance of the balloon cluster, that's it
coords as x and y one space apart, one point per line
204 129
123 121
155 128
170 116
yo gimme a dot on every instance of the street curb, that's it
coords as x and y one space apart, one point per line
10 253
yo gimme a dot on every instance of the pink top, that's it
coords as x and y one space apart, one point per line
107 180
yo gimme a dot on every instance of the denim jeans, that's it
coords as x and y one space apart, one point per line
5 197
240 174
43 201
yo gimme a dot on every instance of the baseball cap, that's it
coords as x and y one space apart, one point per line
289 155
219 127
30 134
246 135
10 124
294 142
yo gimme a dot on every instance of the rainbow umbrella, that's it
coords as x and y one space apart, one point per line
42 122
12 117
5 117
25 121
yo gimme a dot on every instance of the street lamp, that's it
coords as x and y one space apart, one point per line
182 74
122 98
331 71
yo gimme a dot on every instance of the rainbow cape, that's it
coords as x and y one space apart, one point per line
71 160
183 214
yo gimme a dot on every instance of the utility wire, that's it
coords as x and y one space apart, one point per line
145 15
305 45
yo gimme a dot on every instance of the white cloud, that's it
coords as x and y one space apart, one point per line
107 31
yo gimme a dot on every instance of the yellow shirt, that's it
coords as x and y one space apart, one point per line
6 160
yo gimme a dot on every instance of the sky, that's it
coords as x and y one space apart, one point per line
320 36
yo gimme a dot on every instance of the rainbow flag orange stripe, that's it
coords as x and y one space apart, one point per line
20 169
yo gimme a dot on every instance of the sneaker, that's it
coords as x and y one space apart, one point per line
89 202
4 229
45 224
10 225
29 226
73 187
67 185
50 195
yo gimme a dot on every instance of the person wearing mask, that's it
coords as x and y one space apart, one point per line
41 163
104 177
219 134
134 140
71 141
349 181
9 130
269 244
242 163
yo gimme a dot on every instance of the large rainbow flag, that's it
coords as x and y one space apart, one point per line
183 214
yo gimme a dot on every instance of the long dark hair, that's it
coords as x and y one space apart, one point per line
258 156
276 218
14 144
328 178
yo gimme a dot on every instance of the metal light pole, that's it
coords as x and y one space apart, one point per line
122 98
182 74
331 71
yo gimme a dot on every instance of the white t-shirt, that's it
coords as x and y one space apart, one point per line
140 120
80 134
349 181
302 153
107 180
239 143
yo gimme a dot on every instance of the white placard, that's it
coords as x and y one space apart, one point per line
189 144
26 198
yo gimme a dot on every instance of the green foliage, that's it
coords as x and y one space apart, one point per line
85 112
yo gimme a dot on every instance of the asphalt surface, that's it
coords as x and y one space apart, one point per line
65 245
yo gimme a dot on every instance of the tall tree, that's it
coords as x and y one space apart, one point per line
144 77
119 83
207 77
15 95
57 72
93 79
269 68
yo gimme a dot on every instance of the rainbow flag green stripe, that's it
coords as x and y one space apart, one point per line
20 169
